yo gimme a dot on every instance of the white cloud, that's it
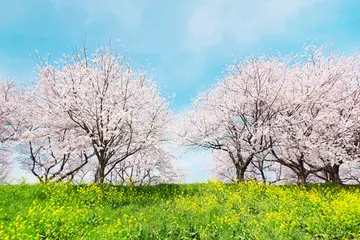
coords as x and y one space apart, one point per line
128 13
212 21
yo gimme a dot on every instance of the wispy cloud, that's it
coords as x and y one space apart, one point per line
211 21
128 13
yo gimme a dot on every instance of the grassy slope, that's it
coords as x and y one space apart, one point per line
197 211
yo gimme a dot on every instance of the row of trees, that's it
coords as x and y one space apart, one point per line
288 118
282 118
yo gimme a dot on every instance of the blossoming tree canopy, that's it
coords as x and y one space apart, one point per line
104 104
236 114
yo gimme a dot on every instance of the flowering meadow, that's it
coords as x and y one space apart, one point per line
212 210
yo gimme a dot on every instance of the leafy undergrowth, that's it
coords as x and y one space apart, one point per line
190 211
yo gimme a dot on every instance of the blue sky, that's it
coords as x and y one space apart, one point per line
185 43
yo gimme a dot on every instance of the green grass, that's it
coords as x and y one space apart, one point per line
189 211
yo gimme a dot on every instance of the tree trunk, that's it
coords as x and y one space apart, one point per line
100 174
302 179
334 174
302 175
240 174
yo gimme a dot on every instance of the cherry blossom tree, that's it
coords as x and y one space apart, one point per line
314 133
236 115
300 110
105 106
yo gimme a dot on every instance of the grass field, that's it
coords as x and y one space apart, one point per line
211 210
